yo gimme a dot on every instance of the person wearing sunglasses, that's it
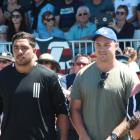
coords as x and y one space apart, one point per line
131 4
51 30
78 62
18 22
83 29
123 29
100 92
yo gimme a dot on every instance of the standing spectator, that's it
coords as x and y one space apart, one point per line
51 30
6 59
31 96
65 13
131 4
78 62
38 7
133 112
131 53
100 93
138 56
83 29
17 23
123 29
48 61
99 8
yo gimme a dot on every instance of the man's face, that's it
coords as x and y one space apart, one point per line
82 16
105 49
4 63
22 51
80 63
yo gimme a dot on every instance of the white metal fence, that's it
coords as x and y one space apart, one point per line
85 46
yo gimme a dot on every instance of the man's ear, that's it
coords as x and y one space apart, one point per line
34 50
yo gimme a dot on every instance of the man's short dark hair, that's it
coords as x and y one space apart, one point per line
24 35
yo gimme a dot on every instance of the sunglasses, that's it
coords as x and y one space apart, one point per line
80 63
82 14
50 19
120 13
103 77
44 62
15 16
4 61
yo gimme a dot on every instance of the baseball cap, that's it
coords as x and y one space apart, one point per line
106 32
7 56
3 28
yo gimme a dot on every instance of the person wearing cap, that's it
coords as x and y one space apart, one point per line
100 93
6 59
47 60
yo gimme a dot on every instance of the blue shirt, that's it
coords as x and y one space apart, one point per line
40 25
76 32
56 32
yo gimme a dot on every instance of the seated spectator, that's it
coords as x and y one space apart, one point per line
3 38
83 29
9 8
6 59
65 13
131 4
48 61
38 7
17 23
51 30
99 8
123 29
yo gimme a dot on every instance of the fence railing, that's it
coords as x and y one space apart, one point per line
63 51
85 46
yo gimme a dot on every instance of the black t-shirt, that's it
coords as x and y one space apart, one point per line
67 13
20 94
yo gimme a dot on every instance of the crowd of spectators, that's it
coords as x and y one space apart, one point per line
67 17
71 20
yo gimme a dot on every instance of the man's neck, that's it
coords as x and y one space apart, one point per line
25 68
105 66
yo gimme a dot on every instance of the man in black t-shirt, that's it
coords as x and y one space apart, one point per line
31 96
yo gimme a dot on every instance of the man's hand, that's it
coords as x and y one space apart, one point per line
133 122
108 138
